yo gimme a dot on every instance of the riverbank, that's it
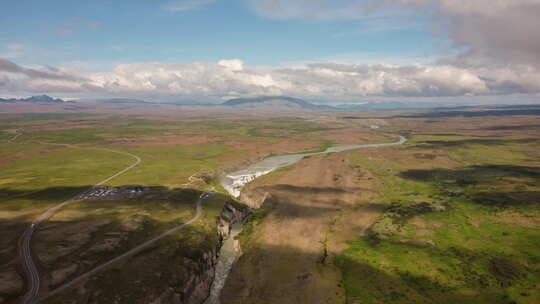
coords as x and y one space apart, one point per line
233 182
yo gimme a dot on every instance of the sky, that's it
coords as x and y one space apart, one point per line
325 50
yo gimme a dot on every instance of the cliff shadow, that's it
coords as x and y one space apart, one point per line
290 201
491 185
86 233
437 144
279 274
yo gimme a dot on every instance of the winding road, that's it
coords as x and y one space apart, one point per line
15 137
130 252
29 265
28 262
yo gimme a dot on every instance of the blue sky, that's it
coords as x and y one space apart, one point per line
334 50
59 32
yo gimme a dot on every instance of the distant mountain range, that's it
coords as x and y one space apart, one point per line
38 98
114 100
275 101
279 103
299 103
46 98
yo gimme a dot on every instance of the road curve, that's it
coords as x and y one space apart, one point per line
128 253
25 249
15 137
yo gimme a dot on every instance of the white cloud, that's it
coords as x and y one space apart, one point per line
234 78
498 38
187 5
504 30
232 64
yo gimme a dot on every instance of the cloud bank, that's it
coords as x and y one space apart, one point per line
500 30
235 78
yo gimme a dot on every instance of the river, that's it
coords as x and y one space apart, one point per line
233 182
227 256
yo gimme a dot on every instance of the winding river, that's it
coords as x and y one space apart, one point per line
233 182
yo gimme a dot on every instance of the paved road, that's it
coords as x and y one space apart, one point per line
130 252
15 137
28 263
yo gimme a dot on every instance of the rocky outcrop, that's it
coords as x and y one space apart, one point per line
232 212
197 288
254 197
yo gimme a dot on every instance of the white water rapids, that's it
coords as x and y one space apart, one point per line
235 181
227 256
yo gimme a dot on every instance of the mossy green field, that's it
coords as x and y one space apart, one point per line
484 247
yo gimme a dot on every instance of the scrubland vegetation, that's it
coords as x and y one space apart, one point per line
451 216
460 223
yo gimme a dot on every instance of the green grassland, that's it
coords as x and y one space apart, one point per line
60 155
26 117
51 174
4 135
30 166
91 129
466 233
169 166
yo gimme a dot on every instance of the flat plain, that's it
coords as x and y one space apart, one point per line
450 216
